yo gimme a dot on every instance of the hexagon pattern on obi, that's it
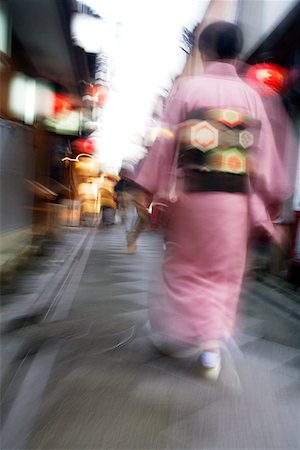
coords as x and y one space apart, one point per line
198 134
231 160
246 139
204 136
216 140
228 117
207 135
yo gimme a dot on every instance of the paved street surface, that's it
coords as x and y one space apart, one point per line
90 378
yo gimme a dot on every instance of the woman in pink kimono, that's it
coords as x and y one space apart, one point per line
221 167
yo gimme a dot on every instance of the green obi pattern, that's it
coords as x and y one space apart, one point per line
216 140
232 160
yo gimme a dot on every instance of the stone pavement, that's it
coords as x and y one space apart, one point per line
109 389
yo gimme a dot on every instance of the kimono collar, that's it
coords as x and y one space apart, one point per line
220 69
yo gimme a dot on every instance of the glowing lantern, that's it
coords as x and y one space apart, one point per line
86 146
267 78
99 93
61 104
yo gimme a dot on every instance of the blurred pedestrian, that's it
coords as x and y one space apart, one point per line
108 198
133 214
220 173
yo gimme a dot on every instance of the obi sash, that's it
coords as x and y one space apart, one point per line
214 146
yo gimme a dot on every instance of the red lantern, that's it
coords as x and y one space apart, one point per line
99 93
86 146
267 78
62 104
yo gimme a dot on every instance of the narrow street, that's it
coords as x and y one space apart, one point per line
118 118
86 376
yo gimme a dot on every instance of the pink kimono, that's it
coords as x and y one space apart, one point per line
206 232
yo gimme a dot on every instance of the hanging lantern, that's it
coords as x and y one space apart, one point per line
267 78
62 104
86 146
98 93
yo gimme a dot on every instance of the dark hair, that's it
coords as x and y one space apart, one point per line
222 39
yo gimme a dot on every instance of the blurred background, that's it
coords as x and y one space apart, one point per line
84 85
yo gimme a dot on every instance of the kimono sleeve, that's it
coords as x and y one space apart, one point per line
157 166
274 173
